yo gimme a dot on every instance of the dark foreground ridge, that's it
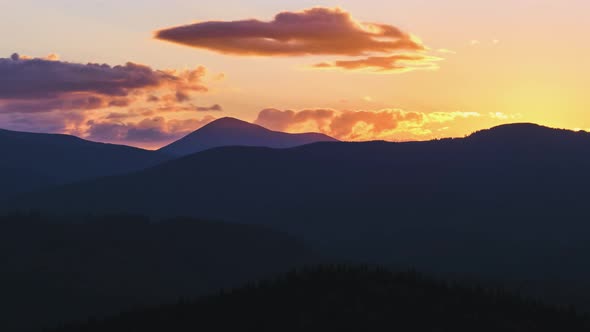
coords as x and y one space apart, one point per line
54 271
349 299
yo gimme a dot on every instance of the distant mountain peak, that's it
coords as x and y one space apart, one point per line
523 131
234 132
520 126
230 123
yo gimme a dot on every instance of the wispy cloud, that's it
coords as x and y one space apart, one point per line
388 64
212 108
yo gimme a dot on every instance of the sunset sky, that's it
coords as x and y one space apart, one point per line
356 70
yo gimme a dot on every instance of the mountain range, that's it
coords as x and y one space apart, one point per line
508 204
35 161
474 201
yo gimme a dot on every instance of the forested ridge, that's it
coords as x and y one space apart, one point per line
345 298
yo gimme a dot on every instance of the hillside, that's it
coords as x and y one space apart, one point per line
349 299
33 161
19 180
55 270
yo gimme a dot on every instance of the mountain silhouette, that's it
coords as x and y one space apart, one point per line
234 132
486 205
349 299
32 161
528 133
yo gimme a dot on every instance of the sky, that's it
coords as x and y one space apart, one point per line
145 73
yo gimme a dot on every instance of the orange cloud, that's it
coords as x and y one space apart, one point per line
316 31
388 124
148 132
49 57
385 64
212 108
311 32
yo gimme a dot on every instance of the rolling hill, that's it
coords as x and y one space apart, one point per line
234 132
33 161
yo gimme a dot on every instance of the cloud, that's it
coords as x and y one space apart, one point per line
54 84
504 116
361 125
446 51
148 132
132 103
282 120
74 102
24 78
178 108
49 122
385 64
116 127
316 31
49 57
212 108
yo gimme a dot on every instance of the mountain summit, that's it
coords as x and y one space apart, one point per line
234 132
527 132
